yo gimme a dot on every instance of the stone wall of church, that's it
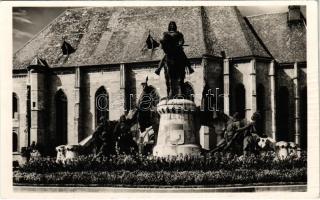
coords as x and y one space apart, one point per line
213 78
19 122
197 81
240 74
285 80
64 82
91 81
263 93
303 107
213 74
39 106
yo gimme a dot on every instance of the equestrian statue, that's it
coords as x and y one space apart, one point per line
175 60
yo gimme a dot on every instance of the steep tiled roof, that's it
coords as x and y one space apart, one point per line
230 33
286 43
117 35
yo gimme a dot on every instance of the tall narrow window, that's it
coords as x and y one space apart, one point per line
240 100
14 106
28 116
14 141
101 105
283 114
304 117
261 108
61 118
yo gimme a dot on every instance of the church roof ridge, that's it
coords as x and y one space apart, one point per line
264 14
44 28
102 35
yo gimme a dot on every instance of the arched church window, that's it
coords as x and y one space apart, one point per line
14 141
283 105
101 104
14 106
240 100
261 108
61 102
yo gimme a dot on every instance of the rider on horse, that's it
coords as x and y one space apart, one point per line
175 38
175 61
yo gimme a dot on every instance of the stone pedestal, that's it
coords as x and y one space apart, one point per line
177 133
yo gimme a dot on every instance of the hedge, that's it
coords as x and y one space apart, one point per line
138 177
151 164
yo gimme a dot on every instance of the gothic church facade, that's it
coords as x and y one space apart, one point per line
256 62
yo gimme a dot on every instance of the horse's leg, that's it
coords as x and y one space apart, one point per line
173 90
181 85
166 73
178 86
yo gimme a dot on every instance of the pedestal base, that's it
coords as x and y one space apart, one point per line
176 150
177 134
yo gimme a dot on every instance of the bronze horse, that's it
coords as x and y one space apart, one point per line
120 138
174 62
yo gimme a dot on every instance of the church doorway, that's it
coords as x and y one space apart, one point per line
61 118
283 114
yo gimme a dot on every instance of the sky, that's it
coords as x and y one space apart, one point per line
28 21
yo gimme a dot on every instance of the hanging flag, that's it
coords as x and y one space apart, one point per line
151 43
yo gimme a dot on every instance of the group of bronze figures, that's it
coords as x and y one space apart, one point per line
117 137
111 137
240 136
